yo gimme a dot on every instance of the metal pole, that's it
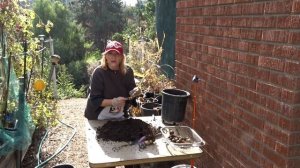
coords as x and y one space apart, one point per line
42 39
24 73
51 46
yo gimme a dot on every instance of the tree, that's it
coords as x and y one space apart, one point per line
143 20
69 37
101 18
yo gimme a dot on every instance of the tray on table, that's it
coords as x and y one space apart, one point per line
186 136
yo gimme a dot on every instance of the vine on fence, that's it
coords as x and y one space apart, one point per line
16 21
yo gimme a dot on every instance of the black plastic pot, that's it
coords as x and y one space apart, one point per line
148 109
173 105
63 166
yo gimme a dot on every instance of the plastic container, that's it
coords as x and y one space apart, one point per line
184 132
148 109
183 166
173 105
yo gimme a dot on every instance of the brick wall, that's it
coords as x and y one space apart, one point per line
247 53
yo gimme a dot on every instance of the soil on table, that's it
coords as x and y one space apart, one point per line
125 130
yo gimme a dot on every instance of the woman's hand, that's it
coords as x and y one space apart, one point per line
118 101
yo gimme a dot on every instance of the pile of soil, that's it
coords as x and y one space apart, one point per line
125 130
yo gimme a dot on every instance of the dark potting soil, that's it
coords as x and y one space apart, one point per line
125 130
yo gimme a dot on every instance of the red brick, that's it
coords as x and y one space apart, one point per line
262 74
291 111
291 97
229 54
294 138
271 63
240 21
293 163
239 1
289 124
235 10
281 7
233 43
266 114
275 36
247 58
270 21
294 151
254 47
225 1
295 21
292 22
292 67
180 4
287 81
243 45
269 89
253 8
266 49
262 161
281 148
274 105
251 34
283 22
270 142
287 51
296 6
258 22
275 157
294 37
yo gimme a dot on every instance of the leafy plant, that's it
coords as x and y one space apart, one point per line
43 109
78 70
145 59
66 88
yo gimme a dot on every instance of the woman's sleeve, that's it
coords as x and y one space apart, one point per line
96 97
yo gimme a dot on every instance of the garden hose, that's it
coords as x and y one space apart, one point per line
40 163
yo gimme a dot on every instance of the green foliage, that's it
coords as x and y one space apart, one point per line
118 37
101 18
66 89
69 36
92 56
43 109
16 21
140 21
149 16
78 70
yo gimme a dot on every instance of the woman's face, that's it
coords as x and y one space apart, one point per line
114 60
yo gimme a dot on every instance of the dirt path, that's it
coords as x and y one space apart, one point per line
75 153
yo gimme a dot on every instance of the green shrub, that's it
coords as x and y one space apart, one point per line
66 88
78 70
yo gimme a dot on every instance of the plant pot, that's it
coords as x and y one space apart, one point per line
63 166
148 109
149 95
173 105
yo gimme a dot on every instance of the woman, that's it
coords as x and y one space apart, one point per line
110 85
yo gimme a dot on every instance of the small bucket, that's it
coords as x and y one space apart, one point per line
148 109
173 104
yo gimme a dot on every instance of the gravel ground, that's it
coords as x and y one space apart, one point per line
75 153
